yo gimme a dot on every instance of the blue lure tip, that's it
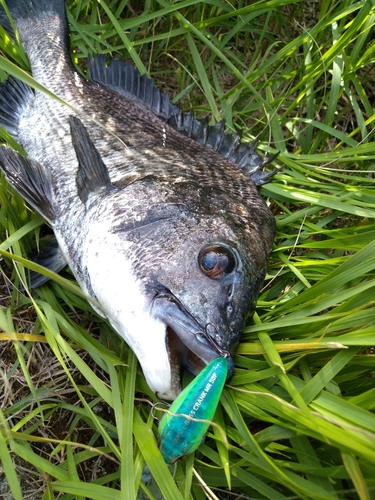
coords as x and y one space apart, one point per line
180 432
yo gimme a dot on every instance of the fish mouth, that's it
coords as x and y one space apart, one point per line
180 356
189 344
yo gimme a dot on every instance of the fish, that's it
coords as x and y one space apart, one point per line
156 212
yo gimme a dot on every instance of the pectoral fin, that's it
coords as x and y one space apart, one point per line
92 173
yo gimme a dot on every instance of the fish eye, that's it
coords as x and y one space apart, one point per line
216 261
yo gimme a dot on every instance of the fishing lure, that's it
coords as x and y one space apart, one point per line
180 433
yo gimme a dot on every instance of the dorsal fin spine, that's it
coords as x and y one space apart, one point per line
127 81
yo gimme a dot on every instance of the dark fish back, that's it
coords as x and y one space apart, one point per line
36 19
126 80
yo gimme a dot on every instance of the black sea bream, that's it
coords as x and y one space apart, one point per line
155 212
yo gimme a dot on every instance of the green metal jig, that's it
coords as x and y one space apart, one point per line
182 434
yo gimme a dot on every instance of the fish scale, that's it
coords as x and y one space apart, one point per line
156 213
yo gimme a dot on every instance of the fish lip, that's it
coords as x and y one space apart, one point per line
167 308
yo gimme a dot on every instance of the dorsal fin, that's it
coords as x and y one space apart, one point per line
126 80
30 179
92 173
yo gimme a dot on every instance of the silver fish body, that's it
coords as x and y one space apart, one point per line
168 237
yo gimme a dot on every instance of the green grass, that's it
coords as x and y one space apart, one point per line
298 413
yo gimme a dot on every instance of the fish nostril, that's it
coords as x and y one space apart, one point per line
203 299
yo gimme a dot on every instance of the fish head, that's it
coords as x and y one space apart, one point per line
178 281
206 288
